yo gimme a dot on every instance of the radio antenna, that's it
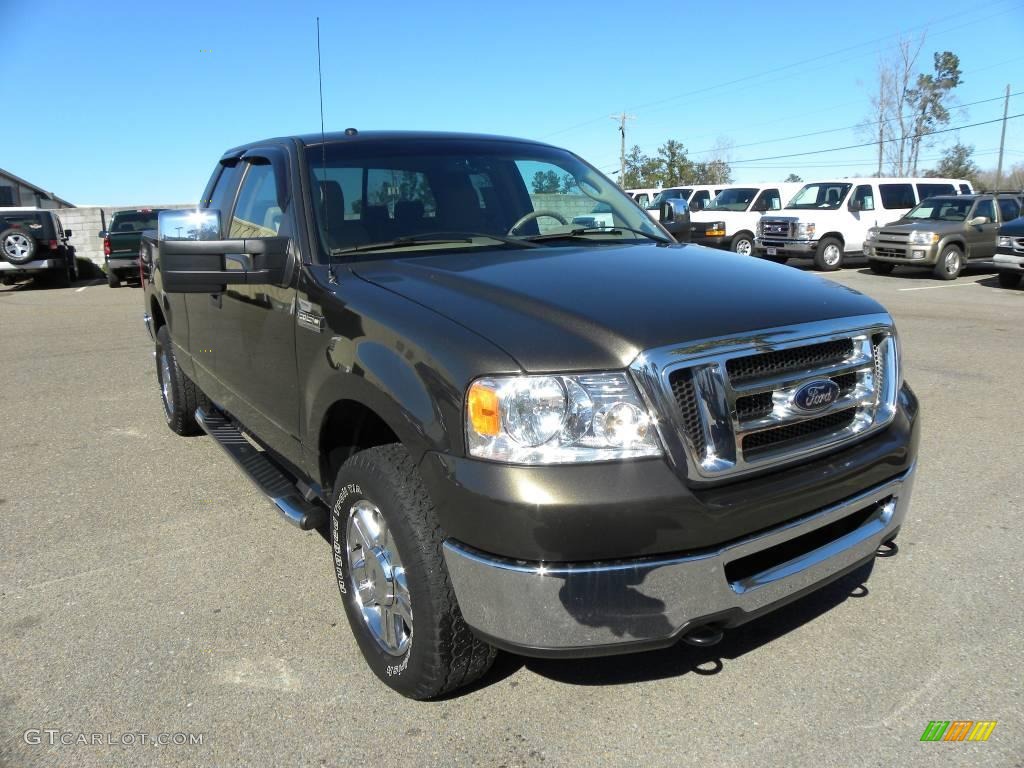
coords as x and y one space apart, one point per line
323 160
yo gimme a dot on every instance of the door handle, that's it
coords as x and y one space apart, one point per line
215 299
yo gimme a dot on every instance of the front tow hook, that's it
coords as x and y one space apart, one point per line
887 549
703 637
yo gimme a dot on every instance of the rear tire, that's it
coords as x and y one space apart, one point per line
881 267
1009 279
113 280
178 392
829 255
949 264
391 573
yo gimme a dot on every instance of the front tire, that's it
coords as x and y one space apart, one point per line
949 263
113 280
881 267
391 573
178 392
743 244
829 255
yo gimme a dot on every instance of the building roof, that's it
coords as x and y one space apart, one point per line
63 203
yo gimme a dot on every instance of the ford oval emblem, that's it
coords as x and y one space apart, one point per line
815 395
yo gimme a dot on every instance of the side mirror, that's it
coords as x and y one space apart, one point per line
67 233
200 224
103 233
674 211
977 221
856 205
194 259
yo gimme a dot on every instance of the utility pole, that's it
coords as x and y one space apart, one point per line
622 118
1002 138
881 123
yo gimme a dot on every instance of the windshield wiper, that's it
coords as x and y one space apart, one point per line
584 231
433 238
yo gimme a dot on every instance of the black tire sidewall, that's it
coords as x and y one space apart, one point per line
881 267
819 255
1009 279
403 673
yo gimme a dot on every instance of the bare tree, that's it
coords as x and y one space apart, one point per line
907 52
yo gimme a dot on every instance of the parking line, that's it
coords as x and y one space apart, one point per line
79 290
931 287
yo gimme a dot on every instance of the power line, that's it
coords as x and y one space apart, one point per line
830 55
873 143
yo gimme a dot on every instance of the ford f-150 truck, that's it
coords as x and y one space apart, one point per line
515 432
121 243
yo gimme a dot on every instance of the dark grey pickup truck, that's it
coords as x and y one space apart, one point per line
516 432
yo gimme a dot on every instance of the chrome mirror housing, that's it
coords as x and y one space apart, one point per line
200 224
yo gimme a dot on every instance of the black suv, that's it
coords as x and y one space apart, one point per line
33 242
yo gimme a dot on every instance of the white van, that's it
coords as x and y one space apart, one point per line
644 196
730 219
696 195
827 220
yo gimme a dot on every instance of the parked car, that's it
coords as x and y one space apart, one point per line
33 242
602 215
558 443
1009 258
827 220
696 196
121 242
730 219
942 234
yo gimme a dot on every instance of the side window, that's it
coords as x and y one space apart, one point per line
965 189
987 209
897 195
256 212
699 200
769 200
932 190
643 200
865 195
1009 209
224 190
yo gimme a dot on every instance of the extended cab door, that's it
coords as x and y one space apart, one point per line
255 328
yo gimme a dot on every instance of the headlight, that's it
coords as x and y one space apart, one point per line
873 233
805 230
923 238
1004 242
558 419
715 229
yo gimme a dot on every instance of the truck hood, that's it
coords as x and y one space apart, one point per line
598 307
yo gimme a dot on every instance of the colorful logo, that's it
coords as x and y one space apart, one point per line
958 730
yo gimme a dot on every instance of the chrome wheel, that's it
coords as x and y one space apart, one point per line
831 255
382 593
166 387
744 247
17 246
951 261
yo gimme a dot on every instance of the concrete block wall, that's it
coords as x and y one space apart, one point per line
86 221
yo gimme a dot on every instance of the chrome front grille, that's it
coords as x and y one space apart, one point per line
729 406
776 228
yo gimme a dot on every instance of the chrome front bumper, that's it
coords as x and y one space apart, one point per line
787 247
32 266
612 607
1008 262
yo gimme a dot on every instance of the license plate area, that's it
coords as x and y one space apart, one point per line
772 251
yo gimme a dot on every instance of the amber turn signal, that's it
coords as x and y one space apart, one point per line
484 415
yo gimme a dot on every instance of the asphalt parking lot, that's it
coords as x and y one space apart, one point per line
146 588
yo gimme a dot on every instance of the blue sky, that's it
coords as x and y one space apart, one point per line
142 98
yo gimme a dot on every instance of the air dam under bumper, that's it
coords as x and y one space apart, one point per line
592 609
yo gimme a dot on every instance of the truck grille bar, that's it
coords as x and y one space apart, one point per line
729 406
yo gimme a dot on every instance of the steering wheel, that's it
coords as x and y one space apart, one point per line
536 215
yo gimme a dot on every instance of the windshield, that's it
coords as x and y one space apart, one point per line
668 194
735 199
133 221
827 196
466 190
941 209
